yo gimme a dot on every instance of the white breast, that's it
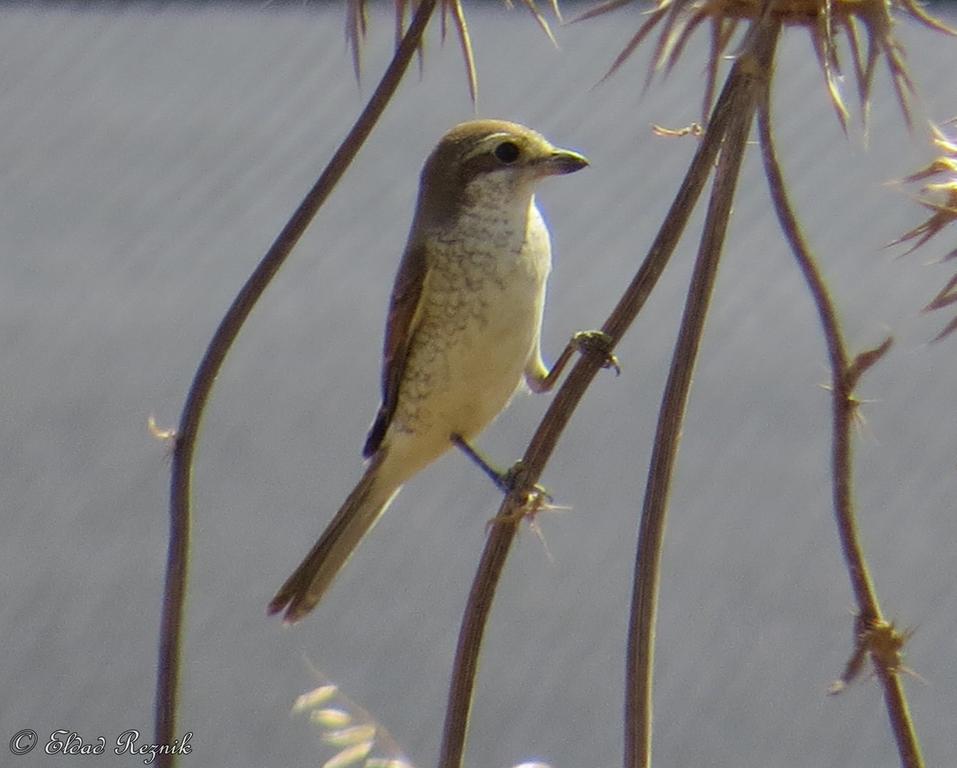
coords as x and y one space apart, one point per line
482 314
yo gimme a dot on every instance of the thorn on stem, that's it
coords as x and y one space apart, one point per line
863 361
882 641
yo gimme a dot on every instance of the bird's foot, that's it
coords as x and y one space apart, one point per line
513 478
600 343
532 500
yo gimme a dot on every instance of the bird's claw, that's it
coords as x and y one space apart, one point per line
512 478
598 342
532 500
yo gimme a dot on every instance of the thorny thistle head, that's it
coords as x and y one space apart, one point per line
357 24
867 26
939 196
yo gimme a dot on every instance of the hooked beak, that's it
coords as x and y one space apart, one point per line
563 161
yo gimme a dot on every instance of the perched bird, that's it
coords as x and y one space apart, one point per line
463 326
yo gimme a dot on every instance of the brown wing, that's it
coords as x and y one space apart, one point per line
400 327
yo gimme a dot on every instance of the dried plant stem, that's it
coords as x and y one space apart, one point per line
226 333
751 69
556 419
871 625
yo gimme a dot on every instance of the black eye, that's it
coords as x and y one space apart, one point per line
507 152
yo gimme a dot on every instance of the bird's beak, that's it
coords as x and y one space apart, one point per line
562 161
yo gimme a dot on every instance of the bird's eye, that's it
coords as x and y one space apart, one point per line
507 152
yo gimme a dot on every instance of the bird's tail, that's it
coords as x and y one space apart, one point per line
360 511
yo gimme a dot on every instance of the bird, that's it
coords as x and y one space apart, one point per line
463 327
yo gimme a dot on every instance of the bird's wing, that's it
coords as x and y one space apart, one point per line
404 316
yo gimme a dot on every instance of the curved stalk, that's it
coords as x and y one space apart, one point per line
874 635
549 431
187 432
752 67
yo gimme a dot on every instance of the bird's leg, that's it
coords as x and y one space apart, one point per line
506 481
586 342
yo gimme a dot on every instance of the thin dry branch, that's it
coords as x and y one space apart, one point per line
167 682
872 631
553 424
752 68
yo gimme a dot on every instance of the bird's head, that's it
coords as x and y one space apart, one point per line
489 162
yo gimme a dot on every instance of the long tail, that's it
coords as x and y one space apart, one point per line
360 511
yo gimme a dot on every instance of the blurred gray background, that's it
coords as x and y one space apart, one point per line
150 153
